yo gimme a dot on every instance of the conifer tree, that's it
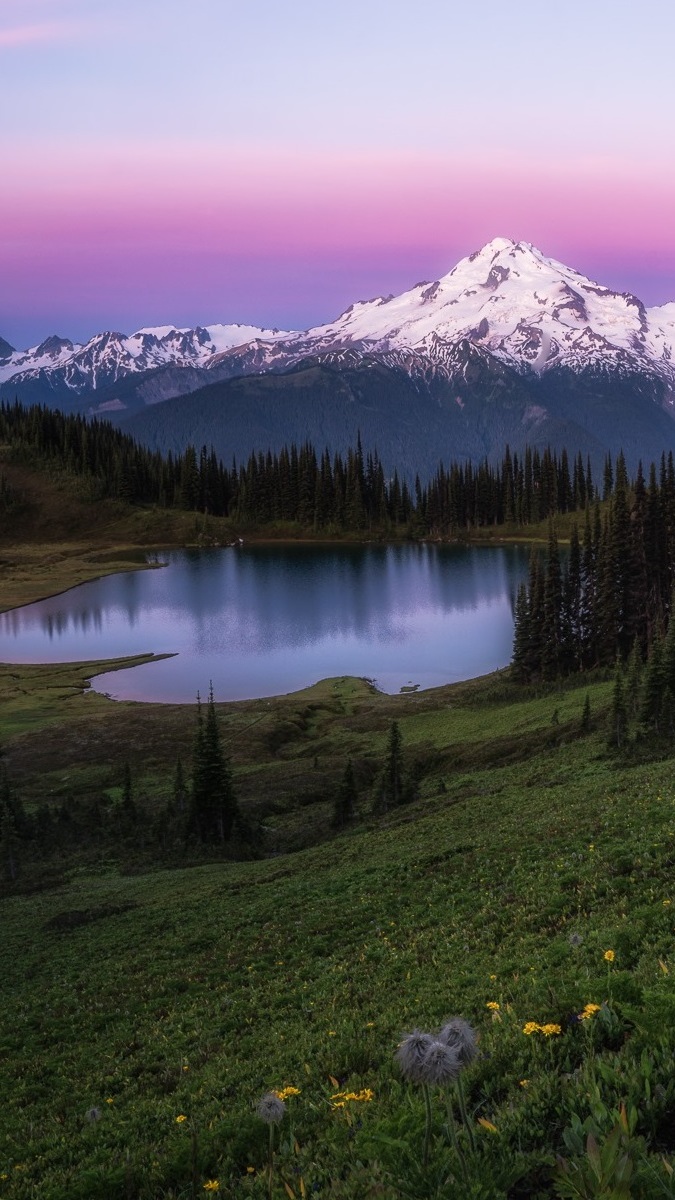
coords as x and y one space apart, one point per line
552 629
618 728
634 671
522 666
213 807
652 693
344 809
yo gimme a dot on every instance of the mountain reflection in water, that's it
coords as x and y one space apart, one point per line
269 619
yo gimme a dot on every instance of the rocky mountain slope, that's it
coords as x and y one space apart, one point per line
509 344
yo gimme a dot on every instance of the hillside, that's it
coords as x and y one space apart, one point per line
53 535
154 986
146 1014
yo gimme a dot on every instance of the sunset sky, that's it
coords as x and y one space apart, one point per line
270 163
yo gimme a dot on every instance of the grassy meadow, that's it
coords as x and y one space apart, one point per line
148 1000
145 1012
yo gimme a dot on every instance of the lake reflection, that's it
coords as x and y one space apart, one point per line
263 620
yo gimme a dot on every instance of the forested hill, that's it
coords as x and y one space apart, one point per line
300 485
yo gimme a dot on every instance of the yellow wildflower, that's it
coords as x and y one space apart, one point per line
493 1005
341 1098
286 1092
549 1030
212 1185
531 1027
524 1083
250 1170
180 1118
609 956
589 1011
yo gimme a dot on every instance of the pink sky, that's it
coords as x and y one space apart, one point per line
273 163
283 239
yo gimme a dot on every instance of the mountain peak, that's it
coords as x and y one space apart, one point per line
54 345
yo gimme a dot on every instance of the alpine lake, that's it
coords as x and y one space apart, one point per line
267 619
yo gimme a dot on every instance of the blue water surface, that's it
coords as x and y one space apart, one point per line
268 619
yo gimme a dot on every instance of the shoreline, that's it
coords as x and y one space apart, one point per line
75 563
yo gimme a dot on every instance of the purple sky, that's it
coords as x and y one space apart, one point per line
271 164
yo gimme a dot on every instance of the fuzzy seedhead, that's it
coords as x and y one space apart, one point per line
411 1054
93 1115
271 1109
440 1065
460 1037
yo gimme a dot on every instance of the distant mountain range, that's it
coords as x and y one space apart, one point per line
510 346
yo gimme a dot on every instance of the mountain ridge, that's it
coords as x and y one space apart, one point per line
528 310
507 346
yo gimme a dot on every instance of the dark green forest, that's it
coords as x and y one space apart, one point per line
322 493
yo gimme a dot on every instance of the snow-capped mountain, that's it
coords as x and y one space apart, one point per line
506 300
525 309
509 346
109 357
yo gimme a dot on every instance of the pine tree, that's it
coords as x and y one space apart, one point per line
522 666
618 726
653 687
586 715
344 809
551 634
634 671
214 806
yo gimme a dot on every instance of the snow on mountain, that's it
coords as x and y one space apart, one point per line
507 301
51 353
525 309
107 357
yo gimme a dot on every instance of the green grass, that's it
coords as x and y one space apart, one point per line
192 991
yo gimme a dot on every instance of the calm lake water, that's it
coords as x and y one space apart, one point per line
264 620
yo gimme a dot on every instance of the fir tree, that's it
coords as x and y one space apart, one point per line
634 672
552 610
618 726
344 809
213 808
653 687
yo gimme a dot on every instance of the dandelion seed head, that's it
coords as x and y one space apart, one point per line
270 1109
410 1054
93 1115
441 1064
462 1037
575 939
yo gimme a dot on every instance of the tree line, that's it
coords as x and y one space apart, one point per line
614 593
322 492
